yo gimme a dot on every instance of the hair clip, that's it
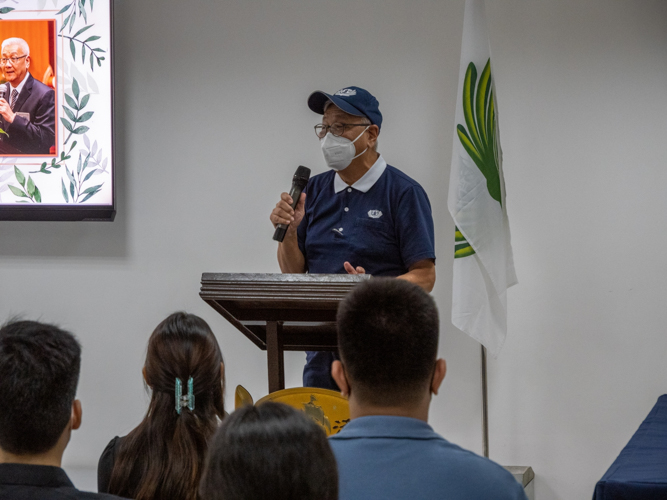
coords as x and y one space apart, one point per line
184 401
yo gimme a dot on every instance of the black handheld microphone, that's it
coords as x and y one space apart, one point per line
3 90
299 182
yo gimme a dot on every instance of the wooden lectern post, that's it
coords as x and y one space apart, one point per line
280 312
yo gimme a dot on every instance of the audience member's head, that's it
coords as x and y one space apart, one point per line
39 372
388 333
270 451
163 457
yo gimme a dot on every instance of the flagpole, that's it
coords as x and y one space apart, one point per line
485 407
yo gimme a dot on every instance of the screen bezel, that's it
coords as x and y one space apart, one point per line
83 212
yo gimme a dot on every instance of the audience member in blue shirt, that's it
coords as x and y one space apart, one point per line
388 334
362 216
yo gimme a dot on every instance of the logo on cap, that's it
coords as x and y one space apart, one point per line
346 92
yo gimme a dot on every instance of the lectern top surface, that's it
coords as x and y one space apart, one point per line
279 277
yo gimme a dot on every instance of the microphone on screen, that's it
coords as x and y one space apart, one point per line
299 182
3 90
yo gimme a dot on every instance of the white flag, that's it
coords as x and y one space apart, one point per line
483 263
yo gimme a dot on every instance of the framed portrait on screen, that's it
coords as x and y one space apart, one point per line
56 110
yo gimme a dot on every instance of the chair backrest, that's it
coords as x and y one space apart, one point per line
327 408
242 397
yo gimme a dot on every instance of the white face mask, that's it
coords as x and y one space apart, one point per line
338 151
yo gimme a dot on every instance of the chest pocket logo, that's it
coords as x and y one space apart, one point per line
374 214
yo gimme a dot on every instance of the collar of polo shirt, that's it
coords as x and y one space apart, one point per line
367 181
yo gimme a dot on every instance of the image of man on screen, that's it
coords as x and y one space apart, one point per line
27 107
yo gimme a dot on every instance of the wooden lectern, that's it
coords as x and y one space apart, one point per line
280 312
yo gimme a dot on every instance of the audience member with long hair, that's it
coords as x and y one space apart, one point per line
163 457
269 451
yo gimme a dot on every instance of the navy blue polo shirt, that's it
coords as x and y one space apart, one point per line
382 223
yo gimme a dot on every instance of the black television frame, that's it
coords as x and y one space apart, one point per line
88 212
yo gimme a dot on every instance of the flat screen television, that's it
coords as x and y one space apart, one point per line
56 110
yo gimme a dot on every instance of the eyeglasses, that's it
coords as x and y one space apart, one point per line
14 60
336 129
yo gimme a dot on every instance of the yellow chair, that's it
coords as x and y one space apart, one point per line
242 397
328 409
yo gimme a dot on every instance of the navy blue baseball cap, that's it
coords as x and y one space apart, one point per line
353 100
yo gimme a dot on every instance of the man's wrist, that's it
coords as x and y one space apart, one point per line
290 236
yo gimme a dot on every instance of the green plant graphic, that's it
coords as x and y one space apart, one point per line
27 190
77 193
480 139
461 246
77 9
48 168
76 105
76 181
6 10
94 52
97 158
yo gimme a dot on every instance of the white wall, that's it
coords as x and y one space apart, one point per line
212 121
583 128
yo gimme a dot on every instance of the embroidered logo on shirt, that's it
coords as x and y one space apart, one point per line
346 92
374 214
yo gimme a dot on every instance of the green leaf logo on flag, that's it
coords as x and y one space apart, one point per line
462 248
480 139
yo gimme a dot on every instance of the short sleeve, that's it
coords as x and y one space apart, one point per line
414 226
105 466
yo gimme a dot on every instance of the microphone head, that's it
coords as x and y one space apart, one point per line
301 176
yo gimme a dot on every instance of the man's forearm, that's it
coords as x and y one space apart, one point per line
421 273
290 258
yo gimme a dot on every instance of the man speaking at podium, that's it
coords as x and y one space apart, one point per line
362 216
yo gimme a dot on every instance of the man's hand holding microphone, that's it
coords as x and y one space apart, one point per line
286 217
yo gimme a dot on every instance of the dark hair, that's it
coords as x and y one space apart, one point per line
39 372
388 333
270 451
163 457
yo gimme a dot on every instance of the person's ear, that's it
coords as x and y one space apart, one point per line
222 373
373 132
438 375
339 375
143 373
76 417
